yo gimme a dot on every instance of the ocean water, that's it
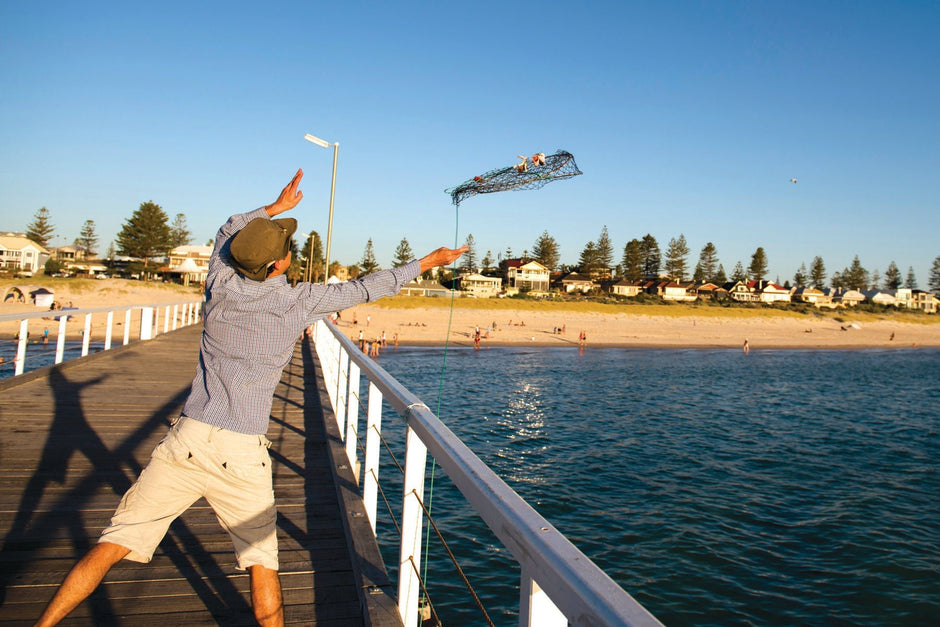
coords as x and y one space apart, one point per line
39 355
718 488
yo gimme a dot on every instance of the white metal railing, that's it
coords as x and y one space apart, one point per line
559 586
174 315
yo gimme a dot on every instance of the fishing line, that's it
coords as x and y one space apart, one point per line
440 387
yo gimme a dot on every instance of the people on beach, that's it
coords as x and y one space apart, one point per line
582 338
747 346
217 447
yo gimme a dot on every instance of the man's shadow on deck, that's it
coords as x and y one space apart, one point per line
31 533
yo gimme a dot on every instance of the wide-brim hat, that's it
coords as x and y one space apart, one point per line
259 243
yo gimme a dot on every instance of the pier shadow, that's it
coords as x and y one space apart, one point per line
35 535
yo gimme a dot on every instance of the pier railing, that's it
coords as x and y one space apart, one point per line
146 320
559 584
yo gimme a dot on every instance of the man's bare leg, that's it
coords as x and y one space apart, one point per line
266 598
82 581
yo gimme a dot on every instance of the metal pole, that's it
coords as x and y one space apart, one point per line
329 224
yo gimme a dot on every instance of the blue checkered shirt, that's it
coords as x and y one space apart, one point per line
251 327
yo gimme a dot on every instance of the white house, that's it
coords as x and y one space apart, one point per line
527 277
18 253
626 288
770 292
191 263
481 286
575 282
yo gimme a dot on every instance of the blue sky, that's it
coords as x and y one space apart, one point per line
685 117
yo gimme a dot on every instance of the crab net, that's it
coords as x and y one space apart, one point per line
531 173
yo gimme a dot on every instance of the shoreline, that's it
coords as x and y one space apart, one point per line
433 322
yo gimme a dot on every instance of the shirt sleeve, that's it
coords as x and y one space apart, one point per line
324 299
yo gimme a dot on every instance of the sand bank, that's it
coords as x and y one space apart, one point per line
425 322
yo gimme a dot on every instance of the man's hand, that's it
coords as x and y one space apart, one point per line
442 257
289 198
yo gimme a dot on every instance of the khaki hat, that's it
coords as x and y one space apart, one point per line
259 243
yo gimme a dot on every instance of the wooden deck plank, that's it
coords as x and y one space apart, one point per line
76 438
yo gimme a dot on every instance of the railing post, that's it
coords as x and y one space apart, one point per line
60 340
86 335
146 323
166 319
127 327
370 482
535 608
342 389
176 309
352 418
412 518
107 332
21 347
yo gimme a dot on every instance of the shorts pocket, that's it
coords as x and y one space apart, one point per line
172 449
247 464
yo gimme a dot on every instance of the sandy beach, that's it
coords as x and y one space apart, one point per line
425 321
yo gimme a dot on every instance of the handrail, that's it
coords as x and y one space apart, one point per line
560 585
183 314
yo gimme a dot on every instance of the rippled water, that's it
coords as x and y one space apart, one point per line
39 355
775 488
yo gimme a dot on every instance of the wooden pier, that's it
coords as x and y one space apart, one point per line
74 437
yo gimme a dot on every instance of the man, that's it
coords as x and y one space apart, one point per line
217 448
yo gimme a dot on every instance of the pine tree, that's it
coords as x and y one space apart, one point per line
403 253
368 264
145 234
817 273
875 280
469 259
720 277
487 261
605 252
933 281
911 281
546 252
89 239
652 257
758 268
708 260
313 253
738 274
892 278
677 258
40 230
632 264
589 263
800 278
855 277
179 232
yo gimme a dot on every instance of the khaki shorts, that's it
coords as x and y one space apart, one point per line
231 470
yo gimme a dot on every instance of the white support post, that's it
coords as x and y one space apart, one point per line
342 390
175 310
107 331
535 608
370 482
60 340
127 327
21 347
146 323
412 518
352 418
166 319
156 321
86 335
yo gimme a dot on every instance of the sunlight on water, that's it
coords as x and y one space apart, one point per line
777 488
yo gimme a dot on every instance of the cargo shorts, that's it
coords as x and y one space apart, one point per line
231 470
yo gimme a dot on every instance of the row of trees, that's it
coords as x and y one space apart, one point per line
146 234
643 258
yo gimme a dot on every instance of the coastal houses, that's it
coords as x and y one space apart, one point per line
480 286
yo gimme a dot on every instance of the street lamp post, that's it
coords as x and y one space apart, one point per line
329 225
